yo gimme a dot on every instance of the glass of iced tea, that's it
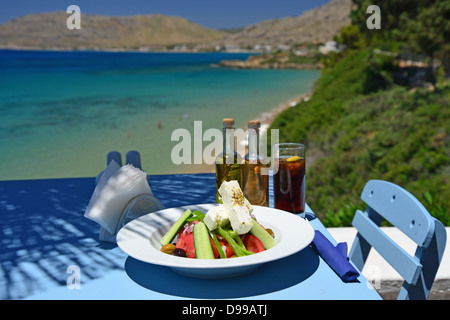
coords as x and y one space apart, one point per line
289 177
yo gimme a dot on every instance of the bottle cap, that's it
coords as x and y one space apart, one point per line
228 123
254 124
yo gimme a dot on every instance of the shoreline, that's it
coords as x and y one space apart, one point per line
124 50
266 118
109 126
275 60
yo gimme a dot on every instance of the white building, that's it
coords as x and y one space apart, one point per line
330 46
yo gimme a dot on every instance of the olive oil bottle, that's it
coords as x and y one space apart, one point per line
254 173
228 163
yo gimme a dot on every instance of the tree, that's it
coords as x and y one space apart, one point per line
430 31
423 26
395 14
350 37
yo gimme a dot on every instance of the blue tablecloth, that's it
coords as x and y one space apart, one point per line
44 234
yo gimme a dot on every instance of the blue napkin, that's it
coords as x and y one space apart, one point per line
335 257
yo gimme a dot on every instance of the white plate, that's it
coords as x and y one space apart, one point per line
140 239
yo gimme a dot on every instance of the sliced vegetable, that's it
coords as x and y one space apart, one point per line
202 242
170 235
200 215
240 252
228 250
196 241
237 250
258 231
238 240
217 247
253 244
186 242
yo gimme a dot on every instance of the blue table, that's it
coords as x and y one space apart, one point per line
44 233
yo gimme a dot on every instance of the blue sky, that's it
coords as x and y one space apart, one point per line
209 13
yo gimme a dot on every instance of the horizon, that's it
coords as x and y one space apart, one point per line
217 15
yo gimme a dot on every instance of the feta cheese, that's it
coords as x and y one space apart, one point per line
237 206
216 216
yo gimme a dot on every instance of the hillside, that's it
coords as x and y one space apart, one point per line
155 32
358 126
313 26
49 31
373 116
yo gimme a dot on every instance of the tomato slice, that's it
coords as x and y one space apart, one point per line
186 242
225 247
252 243
229 251
215 251
181 242
190 249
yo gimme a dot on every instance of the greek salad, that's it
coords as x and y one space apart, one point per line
227 230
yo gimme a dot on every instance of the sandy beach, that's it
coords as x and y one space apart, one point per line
267 118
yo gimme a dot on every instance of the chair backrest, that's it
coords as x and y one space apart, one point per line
134 158
388 201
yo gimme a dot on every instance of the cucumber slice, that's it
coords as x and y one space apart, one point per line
202 242
258 231
168 237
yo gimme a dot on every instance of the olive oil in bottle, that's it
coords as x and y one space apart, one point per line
227 163
254 175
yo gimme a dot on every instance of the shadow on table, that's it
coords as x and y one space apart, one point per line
181 189
271 277
43 230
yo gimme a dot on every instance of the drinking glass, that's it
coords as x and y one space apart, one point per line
289 177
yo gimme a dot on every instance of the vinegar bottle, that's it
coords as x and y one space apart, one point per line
254 175
228 163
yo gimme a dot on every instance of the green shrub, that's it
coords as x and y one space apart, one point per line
363 127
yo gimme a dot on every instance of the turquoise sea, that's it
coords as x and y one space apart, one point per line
62 112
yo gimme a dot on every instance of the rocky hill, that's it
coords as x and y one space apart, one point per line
312 26
150 32
49 31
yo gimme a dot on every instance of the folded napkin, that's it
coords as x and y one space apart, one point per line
335 257
114 197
